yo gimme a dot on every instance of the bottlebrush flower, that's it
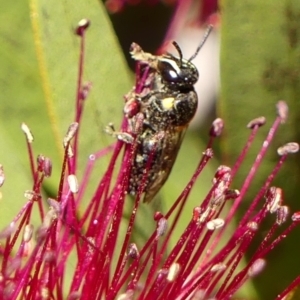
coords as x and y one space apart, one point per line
80 252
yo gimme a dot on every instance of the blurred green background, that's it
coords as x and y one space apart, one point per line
260 63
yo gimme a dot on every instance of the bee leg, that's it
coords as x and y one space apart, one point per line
122 136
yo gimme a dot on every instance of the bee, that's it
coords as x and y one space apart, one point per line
167 102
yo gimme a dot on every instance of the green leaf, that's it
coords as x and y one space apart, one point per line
260 65
57 49
39 67
20 94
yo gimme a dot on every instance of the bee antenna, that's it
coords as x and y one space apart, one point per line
178 50
206 34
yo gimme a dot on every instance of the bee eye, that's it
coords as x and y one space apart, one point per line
169 70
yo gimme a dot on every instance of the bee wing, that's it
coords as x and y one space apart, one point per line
170 146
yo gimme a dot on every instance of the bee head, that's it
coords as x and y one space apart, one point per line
178 73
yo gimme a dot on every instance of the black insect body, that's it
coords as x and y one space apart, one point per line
167 102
